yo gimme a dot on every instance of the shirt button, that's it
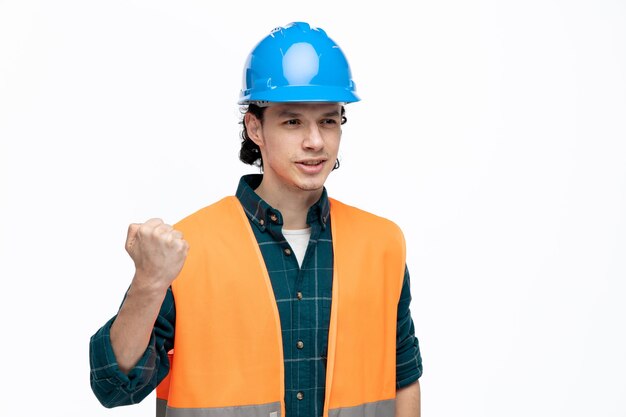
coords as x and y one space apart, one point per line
324 219
299 295
300 344
300 395
261 222
287 251
273 217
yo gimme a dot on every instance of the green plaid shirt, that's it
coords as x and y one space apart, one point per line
303 294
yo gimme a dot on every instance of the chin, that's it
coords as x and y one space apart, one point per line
310 185
311 188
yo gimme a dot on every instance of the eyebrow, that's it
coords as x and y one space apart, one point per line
290 114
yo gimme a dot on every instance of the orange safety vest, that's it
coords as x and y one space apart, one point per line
228 358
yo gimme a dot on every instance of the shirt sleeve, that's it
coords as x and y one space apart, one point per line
110 385
408 357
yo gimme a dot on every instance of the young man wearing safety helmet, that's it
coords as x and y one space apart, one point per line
277 301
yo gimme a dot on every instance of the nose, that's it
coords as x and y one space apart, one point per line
313 139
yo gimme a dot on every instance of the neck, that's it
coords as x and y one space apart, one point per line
292 204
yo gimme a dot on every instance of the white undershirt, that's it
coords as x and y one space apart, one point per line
298 239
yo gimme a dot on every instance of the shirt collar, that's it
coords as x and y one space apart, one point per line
262 214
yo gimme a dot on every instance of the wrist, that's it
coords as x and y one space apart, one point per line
146 285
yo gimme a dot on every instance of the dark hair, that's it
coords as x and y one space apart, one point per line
250 153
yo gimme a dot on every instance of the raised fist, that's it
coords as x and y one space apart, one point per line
157 250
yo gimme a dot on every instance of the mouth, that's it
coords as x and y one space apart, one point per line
311 162
311 166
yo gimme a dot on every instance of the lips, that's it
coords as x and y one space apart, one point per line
311 166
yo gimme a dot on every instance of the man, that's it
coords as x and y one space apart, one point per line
278 300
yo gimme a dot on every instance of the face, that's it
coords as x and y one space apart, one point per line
299 143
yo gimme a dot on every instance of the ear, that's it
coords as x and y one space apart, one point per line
254 129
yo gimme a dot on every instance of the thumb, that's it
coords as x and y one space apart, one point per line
133 228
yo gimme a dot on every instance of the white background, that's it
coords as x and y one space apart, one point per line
493 133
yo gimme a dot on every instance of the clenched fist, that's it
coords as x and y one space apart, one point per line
158 252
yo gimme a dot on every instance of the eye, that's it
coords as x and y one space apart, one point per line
292 122
329 122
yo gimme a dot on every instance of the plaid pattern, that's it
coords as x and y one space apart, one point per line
303 295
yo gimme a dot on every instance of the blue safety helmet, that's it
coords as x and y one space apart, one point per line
297 63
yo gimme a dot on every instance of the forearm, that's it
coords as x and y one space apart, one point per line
408 401
132 328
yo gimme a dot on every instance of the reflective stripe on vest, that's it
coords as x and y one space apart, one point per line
228 359
260 410
384 408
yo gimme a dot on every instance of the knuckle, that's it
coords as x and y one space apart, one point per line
144 230
153 222
162 228
159 231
